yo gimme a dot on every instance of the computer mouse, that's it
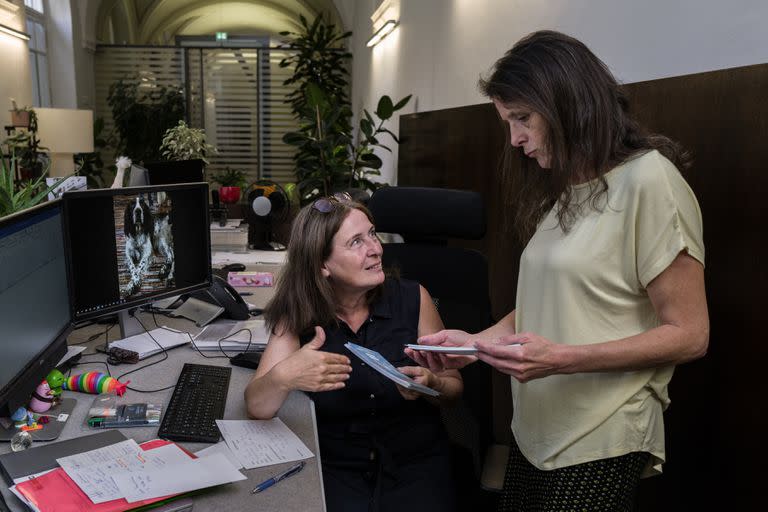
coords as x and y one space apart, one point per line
233 267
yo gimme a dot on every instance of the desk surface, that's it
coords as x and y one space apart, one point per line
302 492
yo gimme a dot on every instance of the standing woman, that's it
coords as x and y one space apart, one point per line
610 292
383 448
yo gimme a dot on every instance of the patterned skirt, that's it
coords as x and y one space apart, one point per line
601 485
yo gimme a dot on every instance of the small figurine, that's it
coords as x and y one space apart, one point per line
19 417
95 383
55 379
24 419
42 398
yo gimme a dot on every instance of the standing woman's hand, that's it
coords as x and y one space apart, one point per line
438 362
524 356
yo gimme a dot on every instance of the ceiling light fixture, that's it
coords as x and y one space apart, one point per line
13 32
383 31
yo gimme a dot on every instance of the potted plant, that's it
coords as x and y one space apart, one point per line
25 144
142 115
327 157
182 142
232 182
15 194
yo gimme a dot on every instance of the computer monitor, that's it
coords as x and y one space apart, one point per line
34 303
171 172
131 246
139 176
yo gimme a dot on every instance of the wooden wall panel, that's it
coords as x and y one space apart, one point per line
716 425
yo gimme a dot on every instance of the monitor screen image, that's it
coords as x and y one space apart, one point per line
34 303
127 247
144 241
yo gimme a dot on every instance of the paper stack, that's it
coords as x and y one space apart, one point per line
123 476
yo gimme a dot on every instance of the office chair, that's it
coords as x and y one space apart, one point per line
457 280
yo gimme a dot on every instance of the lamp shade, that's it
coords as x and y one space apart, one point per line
65 130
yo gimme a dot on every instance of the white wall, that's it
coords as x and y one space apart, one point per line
15 79
442 47
61 58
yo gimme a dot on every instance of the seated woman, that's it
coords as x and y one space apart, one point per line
383 448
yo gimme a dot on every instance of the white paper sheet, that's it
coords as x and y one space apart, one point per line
220 447
186 476
258 443
94 471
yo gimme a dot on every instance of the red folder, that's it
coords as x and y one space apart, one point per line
56 492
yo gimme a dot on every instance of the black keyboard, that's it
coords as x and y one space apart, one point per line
198 401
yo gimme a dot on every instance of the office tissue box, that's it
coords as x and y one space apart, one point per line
242 279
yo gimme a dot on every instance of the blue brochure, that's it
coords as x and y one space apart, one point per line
384 367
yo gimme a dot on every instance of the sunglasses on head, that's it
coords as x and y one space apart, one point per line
326 204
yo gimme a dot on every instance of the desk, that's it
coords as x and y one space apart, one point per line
302 492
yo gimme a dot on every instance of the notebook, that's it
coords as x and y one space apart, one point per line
152 342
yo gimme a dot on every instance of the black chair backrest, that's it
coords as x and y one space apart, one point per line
457 279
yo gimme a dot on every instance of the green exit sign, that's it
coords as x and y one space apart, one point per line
221 36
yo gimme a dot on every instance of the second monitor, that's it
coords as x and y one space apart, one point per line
171 172
128 247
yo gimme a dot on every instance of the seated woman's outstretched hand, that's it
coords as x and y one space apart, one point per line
439 362
311 369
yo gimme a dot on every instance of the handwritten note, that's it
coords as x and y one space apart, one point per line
93 471
185 476
258 443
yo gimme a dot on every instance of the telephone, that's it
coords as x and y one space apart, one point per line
222 293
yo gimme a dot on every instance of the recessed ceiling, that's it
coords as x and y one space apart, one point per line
160 21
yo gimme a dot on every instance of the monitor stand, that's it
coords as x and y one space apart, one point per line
129 326
57 418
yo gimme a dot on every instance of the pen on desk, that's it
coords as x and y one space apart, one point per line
266 484
245 294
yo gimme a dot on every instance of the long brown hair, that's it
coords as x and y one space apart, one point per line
304 297
589 131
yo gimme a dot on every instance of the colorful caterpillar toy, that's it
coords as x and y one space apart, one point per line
95 383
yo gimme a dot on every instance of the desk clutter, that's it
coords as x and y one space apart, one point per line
108 472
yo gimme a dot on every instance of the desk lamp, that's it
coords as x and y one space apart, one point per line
64 132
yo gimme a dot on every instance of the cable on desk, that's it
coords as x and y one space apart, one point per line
94 336
165 356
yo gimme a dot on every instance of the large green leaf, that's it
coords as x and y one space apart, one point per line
385 108
400 104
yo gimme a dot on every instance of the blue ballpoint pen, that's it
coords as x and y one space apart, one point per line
266 484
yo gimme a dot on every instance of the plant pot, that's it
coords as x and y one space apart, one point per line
229 194
20 118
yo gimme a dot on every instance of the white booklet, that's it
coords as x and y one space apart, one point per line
384 367
442 349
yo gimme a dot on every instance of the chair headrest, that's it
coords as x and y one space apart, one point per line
429 212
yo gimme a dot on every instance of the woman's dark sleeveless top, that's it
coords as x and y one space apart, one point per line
368 423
